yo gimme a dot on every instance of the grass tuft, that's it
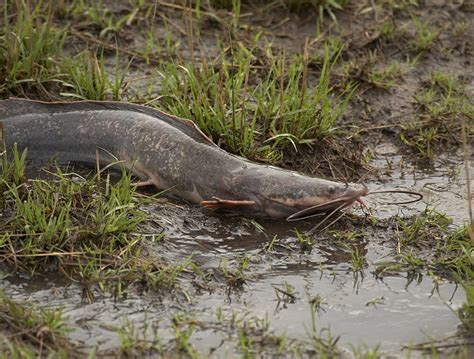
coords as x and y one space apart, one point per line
29 42
32 331
85 228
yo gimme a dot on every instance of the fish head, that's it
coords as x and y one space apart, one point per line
287 194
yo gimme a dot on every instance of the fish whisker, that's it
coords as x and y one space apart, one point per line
337 209
330 224
320 208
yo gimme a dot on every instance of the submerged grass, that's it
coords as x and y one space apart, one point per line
429 243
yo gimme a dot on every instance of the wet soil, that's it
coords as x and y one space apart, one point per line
360 307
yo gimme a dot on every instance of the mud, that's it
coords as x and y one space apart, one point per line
359 307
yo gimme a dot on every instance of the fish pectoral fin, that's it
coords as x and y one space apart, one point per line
145 183
217 203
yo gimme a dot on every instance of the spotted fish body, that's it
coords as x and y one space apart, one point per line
170 152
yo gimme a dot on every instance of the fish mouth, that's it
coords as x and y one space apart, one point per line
330 207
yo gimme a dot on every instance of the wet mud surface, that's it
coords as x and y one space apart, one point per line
360 307
254 276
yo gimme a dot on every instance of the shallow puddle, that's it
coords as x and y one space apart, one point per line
358 307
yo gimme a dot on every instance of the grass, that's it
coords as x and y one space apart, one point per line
443 104
429 243
138 341
367 70
35 331
323 7
235 277
27 48
184 328
83 227
425 34
259 89
282 109
285 293
305 242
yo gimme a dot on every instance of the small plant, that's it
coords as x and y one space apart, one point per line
235 277
321 6
362 352
419 230
135 341
387 77
322 342
442 103
12 171
304 241
183 330
425 34
376 301
33 330
87 77
285 293
357 259
466 312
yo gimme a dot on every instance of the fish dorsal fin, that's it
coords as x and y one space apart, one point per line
17 107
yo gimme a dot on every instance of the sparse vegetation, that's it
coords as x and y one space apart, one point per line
85 227
318 86
26 331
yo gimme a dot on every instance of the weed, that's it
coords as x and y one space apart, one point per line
134 342
323 343
362 352
33 329
28 45
255 338
289 112
386 77
388 29
235 277
466 312
429 242
376 301
317 302
87 77
425 34
183 330
443 102
83 226
294 114
321 6
12 171
357 259
400 5
206 96
305 242
368 71
419 230
287 291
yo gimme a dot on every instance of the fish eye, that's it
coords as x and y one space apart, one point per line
332 190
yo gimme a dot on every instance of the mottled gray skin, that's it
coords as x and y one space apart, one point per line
169 151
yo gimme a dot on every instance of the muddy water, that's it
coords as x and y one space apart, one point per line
358 307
